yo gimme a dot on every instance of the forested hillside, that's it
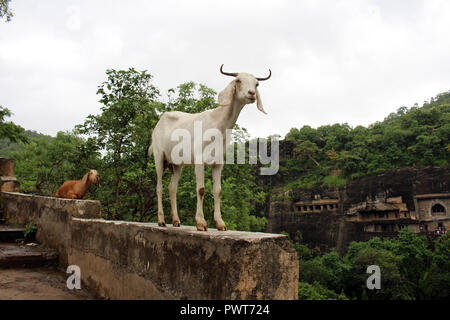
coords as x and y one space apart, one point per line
413 268
328 155
7 146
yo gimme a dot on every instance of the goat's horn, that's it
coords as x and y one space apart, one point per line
234 74
262 79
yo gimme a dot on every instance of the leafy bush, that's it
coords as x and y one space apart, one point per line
410 270
30 231
334 181
316 291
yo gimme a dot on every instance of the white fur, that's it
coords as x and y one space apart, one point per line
239 92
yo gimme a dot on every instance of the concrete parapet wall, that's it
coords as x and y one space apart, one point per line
52 215
127 260
8 182
7 167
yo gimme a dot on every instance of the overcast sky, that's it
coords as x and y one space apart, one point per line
332 61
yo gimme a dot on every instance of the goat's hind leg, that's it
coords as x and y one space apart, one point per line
217 189
159 167
176 174
200 178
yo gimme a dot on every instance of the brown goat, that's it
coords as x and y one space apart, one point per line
77 189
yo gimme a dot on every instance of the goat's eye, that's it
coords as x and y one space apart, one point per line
257 84
238 81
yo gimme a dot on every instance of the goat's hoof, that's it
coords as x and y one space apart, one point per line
222 228
176 223
161 224
202 227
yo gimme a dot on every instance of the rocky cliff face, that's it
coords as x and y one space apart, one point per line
405 182
300 210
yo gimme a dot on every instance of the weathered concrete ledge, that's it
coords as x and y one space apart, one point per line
52 215
127 260
40 205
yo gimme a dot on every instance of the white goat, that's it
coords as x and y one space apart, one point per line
241 91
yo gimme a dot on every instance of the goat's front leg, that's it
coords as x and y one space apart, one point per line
159 188
217 189
173 194
200 178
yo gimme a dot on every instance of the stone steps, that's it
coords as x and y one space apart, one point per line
10 233
14 253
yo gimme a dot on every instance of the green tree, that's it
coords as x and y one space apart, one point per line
313 271
415 258
5 11
9 130
328 270
392 281
404 264
316 291
129 112
409 270
45 163
435 283
307 149
191 98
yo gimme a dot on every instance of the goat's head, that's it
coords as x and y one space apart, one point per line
94 177
244 88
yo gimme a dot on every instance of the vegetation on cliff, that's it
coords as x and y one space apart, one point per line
328 155
9 131
412 269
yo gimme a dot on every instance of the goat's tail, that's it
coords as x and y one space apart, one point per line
150 150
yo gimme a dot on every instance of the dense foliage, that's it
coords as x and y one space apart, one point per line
7 146
45 162
419 136
10 131
411 268
5 10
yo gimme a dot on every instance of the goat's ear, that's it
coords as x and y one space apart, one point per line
259 102
226 96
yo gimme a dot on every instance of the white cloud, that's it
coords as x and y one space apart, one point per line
332 61
73 22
